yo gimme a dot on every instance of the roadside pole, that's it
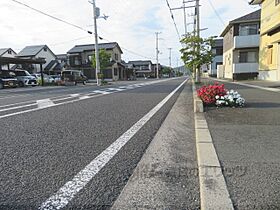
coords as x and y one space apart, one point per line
157 52
197 78
97 68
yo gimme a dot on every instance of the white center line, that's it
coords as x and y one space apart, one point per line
66 193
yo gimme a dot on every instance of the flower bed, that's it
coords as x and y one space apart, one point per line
217 95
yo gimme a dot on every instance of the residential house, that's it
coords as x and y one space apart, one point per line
37 51
8 53
57 66
130 72
217 51
80 56
269 58
241 47
144 68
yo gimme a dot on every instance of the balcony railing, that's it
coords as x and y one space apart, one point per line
245 67
247 41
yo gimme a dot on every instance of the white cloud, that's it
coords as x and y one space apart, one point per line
132 23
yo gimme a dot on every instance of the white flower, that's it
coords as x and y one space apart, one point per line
222 97
217 97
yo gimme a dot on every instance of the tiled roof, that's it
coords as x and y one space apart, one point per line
249 17
31 50
91 47
254 16
3 50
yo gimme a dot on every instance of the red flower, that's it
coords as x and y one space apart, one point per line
208 93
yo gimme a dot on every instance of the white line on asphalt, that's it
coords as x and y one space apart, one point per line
17 107
75 95
84 97
101 92
20 103
44 103
66 102
66 193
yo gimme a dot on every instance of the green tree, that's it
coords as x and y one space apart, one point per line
196 52
104 60
166 70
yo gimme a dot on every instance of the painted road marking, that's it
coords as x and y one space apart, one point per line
101 92
44 103
84 97
17 107
91 95
66 193
75 95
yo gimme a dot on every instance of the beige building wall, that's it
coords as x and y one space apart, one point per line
269 44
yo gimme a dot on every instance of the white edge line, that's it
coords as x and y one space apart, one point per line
66 193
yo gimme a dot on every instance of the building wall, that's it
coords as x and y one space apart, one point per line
228 40
270 18
48 55
7 55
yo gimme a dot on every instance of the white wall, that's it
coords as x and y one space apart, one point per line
48 55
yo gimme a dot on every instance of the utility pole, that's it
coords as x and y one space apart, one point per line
170 60
170 57
97 68
185 18
198 35
157 52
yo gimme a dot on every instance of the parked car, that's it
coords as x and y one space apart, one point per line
73 76
57 78
8 79
47 78
25 79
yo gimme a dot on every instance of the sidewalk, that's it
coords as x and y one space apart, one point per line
166 177
247 141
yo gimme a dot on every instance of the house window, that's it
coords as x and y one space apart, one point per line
270 55
219 51
10 52
248 57
116 57
248 29
76 61
45 49
277 2
115 71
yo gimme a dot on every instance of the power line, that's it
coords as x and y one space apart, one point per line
73 25
53 17
217 14
172 17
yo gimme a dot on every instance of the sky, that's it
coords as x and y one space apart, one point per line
131 23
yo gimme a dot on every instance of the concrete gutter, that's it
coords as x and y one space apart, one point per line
213 190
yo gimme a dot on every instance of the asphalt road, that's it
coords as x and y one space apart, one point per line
247 144
44 144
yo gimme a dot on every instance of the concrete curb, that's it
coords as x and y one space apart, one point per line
198 104
213 190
